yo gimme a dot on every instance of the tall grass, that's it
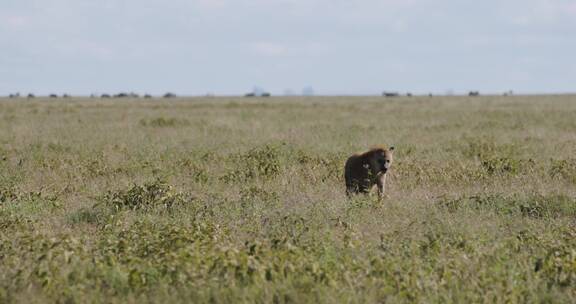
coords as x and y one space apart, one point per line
243 200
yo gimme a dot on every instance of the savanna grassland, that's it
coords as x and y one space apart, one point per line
230 200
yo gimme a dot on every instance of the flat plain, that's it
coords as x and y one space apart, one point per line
231 200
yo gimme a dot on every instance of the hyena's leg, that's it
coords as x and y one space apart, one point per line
381 183
351 189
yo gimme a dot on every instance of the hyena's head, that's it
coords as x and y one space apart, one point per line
381 160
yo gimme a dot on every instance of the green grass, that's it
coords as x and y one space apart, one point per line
228 200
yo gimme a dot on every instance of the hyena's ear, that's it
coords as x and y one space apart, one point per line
391 149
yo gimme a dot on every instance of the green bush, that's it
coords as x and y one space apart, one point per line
262 162
531 205
151 195
564 168
8 194
162 122
503 165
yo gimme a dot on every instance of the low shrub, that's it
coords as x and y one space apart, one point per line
261 162
537 206
162 122
564 168
148 196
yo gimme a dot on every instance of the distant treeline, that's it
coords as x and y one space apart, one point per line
119 95
252 94
470 93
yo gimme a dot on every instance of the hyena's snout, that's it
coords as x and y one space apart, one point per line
384 166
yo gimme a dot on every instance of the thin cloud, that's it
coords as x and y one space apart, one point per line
274 49
14 22
269 49
536 12
85 50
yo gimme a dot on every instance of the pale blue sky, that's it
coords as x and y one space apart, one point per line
336 46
